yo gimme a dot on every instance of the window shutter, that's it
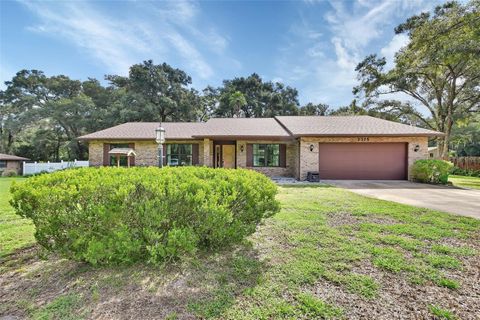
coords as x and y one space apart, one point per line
132 159
249 155
106 156
283 155
164 155
195 154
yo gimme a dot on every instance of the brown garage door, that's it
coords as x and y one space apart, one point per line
363 161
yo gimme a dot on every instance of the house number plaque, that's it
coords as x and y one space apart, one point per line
362 139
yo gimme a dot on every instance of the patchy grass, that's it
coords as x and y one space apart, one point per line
329 254
440 313
15 232
316 308
465 182
60 308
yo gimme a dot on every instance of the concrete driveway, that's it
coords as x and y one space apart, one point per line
449 199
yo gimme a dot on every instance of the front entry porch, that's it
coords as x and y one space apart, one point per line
225 154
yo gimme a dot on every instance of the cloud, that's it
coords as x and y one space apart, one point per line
347 33
163 31
190 53
344 59
110 42
398 41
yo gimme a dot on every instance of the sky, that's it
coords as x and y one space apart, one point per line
310 45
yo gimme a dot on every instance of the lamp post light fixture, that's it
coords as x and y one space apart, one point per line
160 139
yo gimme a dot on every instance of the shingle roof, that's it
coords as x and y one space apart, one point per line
122 151
4 156
282 127
243 128
349 125
146 131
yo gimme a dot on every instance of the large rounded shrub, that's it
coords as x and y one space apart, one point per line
431 171
118 215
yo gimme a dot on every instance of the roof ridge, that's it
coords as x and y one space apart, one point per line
243 118
283 126
136 122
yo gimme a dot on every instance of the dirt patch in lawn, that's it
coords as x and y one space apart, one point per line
134 292
341 219
398 298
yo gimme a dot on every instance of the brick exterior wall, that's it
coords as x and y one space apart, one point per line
288 171
299 158
12 166
95 153
206 152
146 151
309 159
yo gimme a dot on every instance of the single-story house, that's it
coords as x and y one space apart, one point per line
337 147
11 163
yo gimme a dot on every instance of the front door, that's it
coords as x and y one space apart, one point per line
224 154
228 155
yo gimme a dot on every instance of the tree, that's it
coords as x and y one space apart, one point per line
41 142
35 104
72 116
439 69
311 109
157 93
208 103
236 101
262 99
465 139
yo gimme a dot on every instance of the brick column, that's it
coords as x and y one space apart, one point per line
206 153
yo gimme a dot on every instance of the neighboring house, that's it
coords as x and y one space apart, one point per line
10 163
433 153
344 147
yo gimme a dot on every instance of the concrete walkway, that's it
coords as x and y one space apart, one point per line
449 199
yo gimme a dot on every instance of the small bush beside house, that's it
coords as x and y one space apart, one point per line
431 171
118 215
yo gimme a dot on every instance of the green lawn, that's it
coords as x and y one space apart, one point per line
15 232
329 254
466 182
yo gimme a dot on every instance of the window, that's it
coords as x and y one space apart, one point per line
179 154
3 164
266 155
123 159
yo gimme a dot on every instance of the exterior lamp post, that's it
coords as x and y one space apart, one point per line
160 139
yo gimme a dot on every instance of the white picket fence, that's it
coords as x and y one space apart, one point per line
37 167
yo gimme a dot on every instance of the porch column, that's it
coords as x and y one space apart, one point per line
206 153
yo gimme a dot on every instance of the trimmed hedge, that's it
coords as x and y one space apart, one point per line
119 215
431 171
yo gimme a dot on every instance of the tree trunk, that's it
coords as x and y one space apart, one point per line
446 139
9 142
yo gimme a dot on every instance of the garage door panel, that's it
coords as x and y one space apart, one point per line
376 161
